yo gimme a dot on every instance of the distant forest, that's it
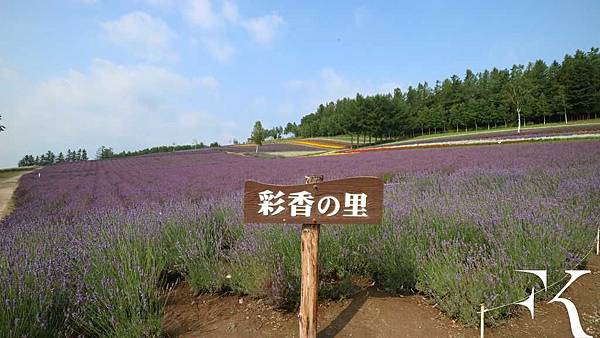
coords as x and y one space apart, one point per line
50 158
537 93
106 152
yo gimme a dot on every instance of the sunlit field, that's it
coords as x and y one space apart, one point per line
94 247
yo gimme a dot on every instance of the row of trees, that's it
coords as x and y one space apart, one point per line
49 158
103 152
535 93
291 129
275 132
108 152
260 134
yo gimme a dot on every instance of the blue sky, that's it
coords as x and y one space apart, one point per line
137 73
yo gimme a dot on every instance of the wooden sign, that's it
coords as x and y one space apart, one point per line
357 200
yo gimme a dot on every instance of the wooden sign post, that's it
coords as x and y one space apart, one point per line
309 286
357 200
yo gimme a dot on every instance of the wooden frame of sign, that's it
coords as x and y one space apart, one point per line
357 200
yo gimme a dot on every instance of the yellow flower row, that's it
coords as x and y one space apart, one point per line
319 144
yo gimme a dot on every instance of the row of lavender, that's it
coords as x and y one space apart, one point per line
582 129
91 245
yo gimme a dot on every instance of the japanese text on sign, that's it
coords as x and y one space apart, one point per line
357 200
301 204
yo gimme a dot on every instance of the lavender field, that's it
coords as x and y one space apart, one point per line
92 247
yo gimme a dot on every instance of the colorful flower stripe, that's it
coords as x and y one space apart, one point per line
320 144
488 141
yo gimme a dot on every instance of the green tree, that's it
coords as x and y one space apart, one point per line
26 161
104 152
537 75
291 128
258 134
50 157
577 76
517 92
397 124
557 92
534 93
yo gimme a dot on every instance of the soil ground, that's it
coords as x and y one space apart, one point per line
8 183
372 313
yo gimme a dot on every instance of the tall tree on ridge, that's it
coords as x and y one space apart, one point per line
577 76
291 128
258 134
517 92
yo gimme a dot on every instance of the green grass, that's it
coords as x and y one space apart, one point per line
283 140
482 131
19 169
338 138
12 172
495 130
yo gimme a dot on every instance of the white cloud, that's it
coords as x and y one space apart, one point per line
107 97
159 3
208 82
333 82
329 85
213 20
304 96
212 26
126 107
219 48
263 29
7 73
145 36
87 2
230 11
332 85
200 13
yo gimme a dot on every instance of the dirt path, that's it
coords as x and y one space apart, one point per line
8 184
372 313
